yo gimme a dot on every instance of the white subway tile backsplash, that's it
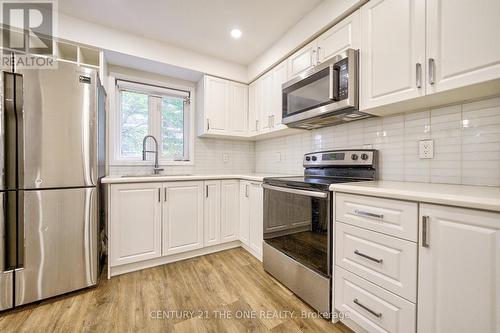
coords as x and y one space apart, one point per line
466 144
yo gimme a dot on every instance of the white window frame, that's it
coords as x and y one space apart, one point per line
152 88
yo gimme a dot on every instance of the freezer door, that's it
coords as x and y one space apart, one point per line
59 125
6 274
60 243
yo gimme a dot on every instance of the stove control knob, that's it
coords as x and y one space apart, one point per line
354 157
308 158
364 157
314 158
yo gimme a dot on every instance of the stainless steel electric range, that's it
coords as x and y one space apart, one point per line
298 226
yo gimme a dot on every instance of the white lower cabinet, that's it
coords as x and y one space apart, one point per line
244 225
251 216
212 213
155 220
459 270
256 217
135 223
182 217
372 308
377 269
230 210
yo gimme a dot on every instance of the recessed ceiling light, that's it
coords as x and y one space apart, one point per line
236 33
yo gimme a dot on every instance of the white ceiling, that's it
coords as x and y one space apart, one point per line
199 25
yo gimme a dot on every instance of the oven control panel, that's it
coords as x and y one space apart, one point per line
365 157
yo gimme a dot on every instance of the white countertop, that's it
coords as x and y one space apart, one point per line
477 197
118 179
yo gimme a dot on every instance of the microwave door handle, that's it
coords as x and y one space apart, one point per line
334 83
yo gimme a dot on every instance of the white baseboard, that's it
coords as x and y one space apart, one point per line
136 266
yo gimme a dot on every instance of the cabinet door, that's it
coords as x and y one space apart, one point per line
302 60
267 101
393 51
256 217
463 38
182 217
216 100
459 271
279 77
135 223
211 215
342 36
230 210
244 227
255 106
237 108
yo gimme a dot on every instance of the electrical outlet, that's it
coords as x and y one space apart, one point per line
426 149
277 157
225 157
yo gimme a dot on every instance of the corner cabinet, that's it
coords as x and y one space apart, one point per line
135 223
459 270
222 107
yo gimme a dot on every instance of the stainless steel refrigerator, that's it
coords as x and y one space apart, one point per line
51 160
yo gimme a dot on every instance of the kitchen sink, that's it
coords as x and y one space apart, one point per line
155 175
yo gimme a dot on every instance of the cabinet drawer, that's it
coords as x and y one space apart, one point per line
387 261
392 217
371 307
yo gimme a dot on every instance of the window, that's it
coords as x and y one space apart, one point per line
161 112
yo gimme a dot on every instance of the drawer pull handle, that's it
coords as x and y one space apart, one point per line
367 214
378 261
376 314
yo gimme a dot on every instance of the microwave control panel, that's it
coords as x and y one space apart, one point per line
343 69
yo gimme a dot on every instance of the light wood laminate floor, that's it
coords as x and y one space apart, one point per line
219 288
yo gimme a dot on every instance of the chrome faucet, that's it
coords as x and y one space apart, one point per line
144 151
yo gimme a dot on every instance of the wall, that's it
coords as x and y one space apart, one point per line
466 144
324 15
80 31
208 153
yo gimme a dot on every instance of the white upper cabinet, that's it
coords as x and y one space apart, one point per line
216 104
279 77
255 106
182 217
238 108
463 39
392 55
303 60
222 107
342 36
459 270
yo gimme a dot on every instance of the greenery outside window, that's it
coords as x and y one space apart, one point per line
158 111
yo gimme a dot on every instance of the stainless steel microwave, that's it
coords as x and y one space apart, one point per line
325 95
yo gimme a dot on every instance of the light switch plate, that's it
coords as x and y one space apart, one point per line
426 149
277 157
225 157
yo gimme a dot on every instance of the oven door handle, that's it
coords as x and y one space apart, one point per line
314 194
